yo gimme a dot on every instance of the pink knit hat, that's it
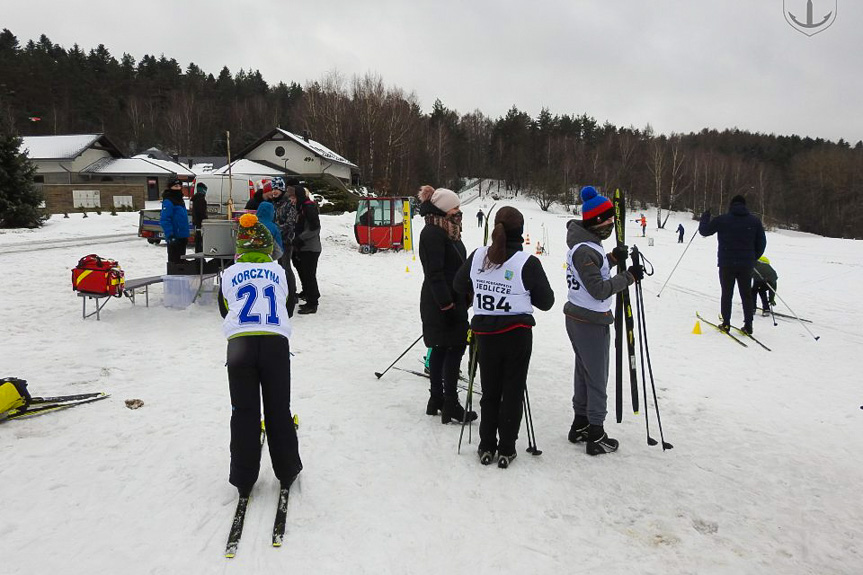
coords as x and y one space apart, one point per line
442 198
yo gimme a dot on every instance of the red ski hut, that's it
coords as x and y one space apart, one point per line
383 224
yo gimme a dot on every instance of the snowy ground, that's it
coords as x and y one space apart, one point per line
765 475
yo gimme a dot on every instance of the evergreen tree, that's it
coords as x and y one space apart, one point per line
19 200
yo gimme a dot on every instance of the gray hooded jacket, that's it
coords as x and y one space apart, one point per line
588 262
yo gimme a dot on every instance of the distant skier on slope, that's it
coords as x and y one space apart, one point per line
741 242
252 301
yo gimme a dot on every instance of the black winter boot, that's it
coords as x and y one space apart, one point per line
598 442
578 431
503 461
453 411
434 405
308 308
486 457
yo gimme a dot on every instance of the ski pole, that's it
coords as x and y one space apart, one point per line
817 337
469 401
637 259
381 374
639 294
677 264
531 431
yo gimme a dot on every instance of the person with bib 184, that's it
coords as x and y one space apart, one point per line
506 284
588 315
253 296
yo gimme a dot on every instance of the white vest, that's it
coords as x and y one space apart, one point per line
256 294
579 296
499 290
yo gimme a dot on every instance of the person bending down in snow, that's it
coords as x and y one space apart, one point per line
764 279
253 297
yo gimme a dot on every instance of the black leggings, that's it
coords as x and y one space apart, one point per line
503 362
444 366
261 364
728 276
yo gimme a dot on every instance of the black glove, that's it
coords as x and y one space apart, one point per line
705 215
620 254
637 272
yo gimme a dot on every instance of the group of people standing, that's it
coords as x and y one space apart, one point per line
285 208
502 285
295 214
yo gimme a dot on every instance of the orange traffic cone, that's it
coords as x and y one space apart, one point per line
538 248
527 240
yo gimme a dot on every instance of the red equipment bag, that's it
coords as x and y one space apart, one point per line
98 276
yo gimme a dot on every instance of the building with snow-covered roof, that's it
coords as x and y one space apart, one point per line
90 171
301 156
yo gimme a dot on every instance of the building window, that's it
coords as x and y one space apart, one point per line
38 179
280 151
86 199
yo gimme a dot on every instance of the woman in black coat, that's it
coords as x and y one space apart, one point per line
443 312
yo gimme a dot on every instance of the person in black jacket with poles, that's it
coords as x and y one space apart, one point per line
307 249
504 284
199 213
443 312
741 242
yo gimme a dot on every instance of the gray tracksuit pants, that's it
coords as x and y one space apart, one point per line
590 342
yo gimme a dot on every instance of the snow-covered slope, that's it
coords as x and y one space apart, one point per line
764 477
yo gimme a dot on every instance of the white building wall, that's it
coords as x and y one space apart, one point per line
297 159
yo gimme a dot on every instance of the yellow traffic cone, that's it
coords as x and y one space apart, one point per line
407 269
697 329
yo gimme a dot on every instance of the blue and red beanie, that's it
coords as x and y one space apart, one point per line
595 208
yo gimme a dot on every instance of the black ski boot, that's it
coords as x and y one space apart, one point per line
307 308
453 411
503 461
578 431
598 442
486 457
747 328
434 405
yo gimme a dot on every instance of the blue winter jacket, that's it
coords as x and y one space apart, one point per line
266 215
741 236
174 218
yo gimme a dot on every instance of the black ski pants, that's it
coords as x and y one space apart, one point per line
176 250
762 290
444 367
285 262
307 268
261 364
742 276
503 362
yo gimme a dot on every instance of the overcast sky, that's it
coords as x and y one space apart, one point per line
680 65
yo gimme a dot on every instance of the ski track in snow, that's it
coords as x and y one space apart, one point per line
764 476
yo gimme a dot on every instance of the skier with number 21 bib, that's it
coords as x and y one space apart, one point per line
253 302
